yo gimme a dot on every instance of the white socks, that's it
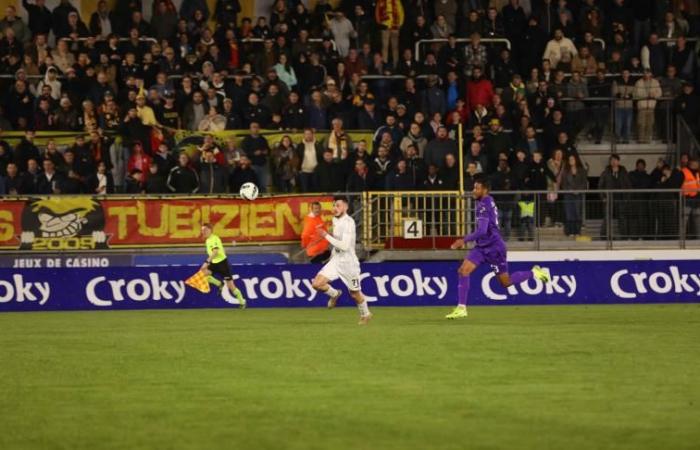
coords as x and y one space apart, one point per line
331 292
364 309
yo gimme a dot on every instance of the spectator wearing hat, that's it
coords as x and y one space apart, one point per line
66 115
51 80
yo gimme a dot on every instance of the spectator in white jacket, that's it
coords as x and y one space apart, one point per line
343 31
646 91
560 49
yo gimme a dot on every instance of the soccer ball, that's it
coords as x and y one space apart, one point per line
249 191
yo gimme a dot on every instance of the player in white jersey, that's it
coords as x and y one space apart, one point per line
343 263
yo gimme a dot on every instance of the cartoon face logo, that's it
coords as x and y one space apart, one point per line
61 218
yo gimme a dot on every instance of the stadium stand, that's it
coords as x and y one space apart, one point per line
535 84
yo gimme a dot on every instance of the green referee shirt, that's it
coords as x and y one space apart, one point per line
213 242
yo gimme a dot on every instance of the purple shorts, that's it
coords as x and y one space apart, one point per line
493 256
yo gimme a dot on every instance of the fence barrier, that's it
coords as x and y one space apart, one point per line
417 48
535 219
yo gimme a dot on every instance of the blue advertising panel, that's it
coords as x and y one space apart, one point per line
384 284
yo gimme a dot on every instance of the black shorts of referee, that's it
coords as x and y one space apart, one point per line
221 268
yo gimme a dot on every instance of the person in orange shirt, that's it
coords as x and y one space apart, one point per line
316 246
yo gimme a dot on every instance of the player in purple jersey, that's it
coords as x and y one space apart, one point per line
488 248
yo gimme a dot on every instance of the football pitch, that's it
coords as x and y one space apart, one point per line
599 377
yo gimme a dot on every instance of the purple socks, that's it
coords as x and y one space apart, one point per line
463 284
463 290
519 277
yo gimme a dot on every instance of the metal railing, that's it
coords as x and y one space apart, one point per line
534 220
261 40
686 139
618 121
101 39
418 44
689 39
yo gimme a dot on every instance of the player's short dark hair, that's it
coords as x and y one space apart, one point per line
207 225
341 198
483 181
316 204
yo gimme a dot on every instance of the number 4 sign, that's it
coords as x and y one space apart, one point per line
412 229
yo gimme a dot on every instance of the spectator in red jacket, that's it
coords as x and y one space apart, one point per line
479 89
139 160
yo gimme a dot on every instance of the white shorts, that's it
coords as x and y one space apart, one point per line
349 273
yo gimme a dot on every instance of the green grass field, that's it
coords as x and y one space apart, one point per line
599 377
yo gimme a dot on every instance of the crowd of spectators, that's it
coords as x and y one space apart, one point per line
124 84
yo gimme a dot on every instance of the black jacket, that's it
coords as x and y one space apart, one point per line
183 180
212 179
356 183
44 186
239 177
92 182
537 175
329 176
25 151
396 181
156 184
40 20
